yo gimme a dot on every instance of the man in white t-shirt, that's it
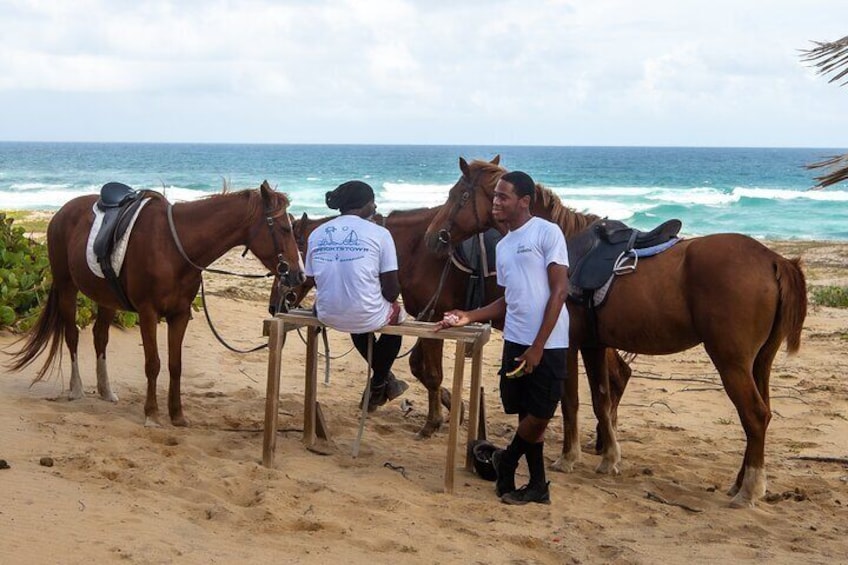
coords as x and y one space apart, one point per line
354 264
532 266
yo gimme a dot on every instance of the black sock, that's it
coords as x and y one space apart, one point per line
536 463
513 452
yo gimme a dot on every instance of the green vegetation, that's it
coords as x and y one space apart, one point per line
25 281
833 296
31 222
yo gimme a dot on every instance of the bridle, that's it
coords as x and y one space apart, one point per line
282 267
467 194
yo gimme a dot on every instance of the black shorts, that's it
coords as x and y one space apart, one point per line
537 393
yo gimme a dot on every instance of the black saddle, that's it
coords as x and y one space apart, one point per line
476 256
603 249
119 203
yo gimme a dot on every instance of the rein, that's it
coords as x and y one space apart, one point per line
282 270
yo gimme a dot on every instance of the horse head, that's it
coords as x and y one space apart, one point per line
272 240
468 209
284 297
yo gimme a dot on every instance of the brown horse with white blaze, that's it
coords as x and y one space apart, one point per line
727 291
160 277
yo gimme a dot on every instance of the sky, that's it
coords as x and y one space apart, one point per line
494 72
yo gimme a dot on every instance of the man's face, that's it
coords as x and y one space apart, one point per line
506 205
369 210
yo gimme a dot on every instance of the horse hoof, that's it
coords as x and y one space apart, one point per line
180 422
608 468
151 423
75 394
741 502
427 431
109 396
562 465
733 490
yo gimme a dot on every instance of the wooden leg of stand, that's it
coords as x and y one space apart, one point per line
276 340
474 401
310 393
456 401
321 424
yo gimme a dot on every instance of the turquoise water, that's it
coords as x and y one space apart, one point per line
757 191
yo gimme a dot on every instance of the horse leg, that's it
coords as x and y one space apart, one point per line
595 360
147 322
101 338
176 332
425 362
749 393
619 375
570 433
67 295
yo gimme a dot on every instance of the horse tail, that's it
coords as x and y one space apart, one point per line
793 301
47 331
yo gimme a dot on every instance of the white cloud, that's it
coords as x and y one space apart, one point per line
716 72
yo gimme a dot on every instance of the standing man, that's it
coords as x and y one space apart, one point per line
532 265
354 264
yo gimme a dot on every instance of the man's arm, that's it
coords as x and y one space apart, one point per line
390 285
457 318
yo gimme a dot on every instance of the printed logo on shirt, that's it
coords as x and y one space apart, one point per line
523 249
348 249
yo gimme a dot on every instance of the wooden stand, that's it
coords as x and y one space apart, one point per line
276 329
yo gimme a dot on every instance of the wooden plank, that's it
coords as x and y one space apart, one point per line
471 333
310 393
276 340
456 402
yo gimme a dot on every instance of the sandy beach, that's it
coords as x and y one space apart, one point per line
120 492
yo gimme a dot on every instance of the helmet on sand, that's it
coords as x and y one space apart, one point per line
481 453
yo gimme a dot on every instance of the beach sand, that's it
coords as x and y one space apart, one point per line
120 492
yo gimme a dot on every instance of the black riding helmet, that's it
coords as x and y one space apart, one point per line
481 453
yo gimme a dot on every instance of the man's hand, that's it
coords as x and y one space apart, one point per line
531 357
453 319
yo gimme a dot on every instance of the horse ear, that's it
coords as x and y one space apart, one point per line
265 190
304 218
496 160
463 166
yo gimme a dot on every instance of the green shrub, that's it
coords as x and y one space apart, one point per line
833 296
25 282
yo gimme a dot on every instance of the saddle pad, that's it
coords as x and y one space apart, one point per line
120 249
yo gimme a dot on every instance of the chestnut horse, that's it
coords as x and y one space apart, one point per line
160 277
419 272
727 291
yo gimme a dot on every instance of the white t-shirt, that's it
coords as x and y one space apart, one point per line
346 256
523 257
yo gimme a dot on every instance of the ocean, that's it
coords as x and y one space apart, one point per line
762 192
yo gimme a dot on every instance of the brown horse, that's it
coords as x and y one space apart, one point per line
727 291
419 272
159 277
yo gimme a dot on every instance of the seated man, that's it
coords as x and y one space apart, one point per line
354 265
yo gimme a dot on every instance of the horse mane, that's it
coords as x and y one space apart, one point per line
253 196
568 219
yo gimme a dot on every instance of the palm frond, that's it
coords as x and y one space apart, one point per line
831 57
838 165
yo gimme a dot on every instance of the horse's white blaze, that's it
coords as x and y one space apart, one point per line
76 391
753 488
103 386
